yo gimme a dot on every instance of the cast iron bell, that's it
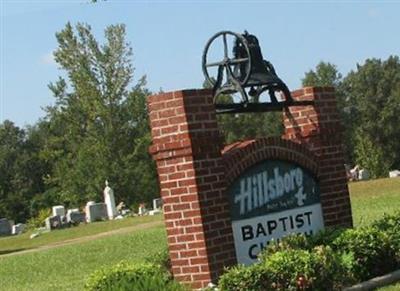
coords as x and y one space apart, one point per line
246 70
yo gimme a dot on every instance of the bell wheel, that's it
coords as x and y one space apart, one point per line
219 58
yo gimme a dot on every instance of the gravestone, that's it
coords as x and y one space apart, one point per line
18 228
142 209
74 216
5 226
109 200
363 175
58 210
95 211
53 222
157 204
154 212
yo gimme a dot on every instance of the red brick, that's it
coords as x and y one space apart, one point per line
188 270
198 261
180 262
192 213
187 182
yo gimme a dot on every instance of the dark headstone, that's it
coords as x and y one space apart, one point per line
5 226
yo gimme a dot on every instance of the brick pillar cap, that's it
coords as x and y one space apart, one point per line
179 93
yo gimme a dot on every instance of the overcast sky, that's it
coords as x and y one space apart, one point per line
168 38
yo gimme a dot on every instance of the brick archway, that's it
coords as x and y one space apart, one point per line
242 155
194 172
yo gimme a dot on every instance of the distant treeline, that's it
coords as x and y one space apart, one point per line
98 127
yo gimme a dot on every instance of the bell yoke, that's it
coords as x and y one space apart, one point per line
244 71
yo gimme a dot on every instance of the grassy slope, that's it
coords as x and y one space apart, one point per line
66 268
14 243
371 199
395 287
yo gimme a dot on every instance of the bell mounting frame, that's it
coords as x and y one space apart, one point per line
234 83
237 72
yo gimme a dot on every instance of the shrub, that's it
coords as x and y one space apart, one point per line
286 267
153 283
325 237
372 250
162 260
302 242
331 270
390 224
238 278
125 276
290 242
39 220
318 269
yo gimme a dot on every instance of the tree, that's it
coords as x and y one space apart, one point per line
369 102
98 125
325 74
20 170
373 95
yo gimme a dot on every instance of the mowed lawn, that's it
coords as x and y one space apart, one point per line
22 242
371 199
67 267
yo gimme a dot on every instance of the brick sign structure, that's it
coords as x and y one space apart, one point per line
293 183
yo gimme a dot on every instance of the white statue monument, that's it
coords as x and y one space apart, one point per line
110 201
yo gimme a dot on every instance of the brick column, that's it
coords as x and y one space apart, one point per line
187 149
319 128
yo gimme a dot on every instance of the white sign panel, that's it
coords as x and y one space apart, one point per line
253 234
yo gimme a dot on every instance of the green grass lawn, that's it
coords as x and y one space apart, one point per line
395 287
67 267
371 199
14 243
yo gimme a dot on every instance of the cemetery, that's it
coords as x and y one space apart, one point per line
240 183
93 212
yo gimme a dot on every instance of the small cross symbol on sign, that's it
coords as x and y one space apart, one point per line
300 197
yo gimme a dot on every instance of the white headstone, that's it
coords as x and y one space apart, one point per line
142 209
109 200
18 228
363 174
154 212
58 210
394 174
157 203
95 211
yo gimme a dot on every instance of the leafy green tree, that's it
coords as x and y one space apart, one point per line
369 102
20 170
325 74
98 125
373 96
250 125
